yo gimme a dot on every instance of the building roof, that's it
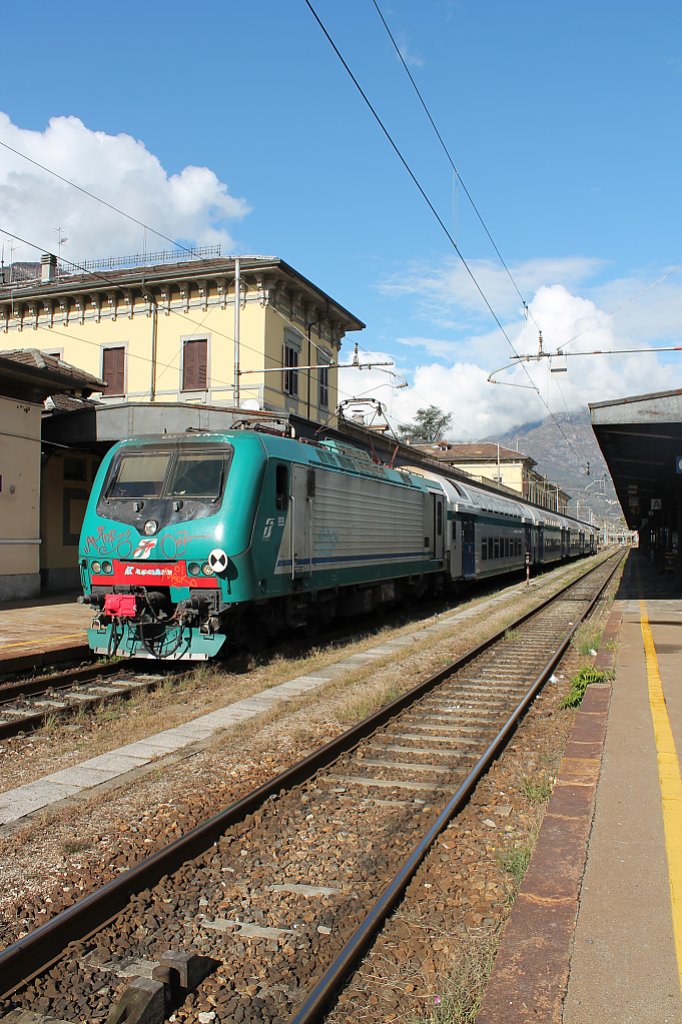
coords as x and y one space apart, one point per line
482 451
33 375
167 273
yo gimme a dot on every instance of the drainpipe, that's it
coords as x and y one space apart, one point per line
154 312
237 304
311 362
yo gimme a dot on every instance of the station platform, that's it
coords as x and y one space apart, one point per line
596 931
42 632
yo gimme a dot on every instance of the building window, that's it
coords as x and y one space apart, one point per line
290 361
290 371
323 388
194 364
291 354
113 369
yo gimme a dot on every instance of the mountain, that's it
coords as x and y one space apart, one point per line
563 446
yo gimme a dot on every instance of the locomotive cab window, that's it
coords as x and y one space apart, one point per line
168 473
198 476
140 475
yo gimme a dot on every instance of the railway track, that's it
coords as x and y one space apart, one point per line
272 895
28 704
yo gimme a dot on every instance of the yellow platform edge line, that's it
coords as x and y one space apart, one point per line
669 781
82 635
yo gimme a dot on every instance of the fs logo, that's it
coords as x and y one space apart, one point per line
267 529
144 548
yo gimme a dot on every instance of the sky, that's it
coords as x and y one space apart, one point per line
237 124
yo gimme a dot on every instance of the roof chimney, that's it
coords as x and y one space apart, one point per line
48 269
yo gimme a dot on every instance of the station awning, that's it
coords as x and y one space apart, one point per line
641 439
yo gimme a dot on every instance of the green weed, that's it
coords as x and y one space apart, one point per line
537 791
590 643
579 684
516 862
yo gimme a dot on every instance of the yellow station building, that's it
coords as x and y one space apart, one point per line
181 343
173 332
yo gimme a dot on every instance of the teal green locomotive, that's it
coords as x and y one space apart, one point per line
196 540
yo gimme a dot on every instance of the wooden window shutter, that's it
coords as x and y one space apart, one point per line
194 365
113 369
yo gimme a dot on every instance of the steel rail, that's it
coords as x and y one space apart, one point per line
322 995
59 681
35 952
63 681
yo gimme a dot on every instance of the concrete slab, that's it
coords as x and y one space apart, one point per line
82 776
300 889
115 759
242 928
17 803
156 744
302 683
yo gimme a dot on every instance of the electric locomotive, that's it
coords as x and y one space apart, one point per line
190 541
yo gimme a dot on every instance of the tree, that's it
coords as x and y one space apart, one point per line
429 425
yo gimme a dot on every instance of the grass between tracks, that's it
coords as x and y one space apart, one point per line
460 998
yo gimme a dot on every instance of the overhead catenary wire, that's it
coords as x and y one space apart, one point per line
437 216
561 349
458 176
98 199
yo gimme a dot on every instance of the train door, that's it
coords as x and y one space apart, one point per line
438 527
455 548
434 528
301 521
468 547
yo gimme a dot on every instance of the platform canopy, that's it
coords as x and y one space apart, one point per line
641 439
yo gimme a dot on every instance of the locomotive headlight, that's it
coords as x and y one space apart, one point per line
96 567
206 569
193 568
150 527
107 567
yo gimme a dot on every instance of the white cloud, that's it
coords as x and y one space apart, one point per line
192 206
434 346
458 383
440 289
645 305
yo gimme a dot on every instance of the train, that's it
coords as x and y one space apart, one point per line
196 542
